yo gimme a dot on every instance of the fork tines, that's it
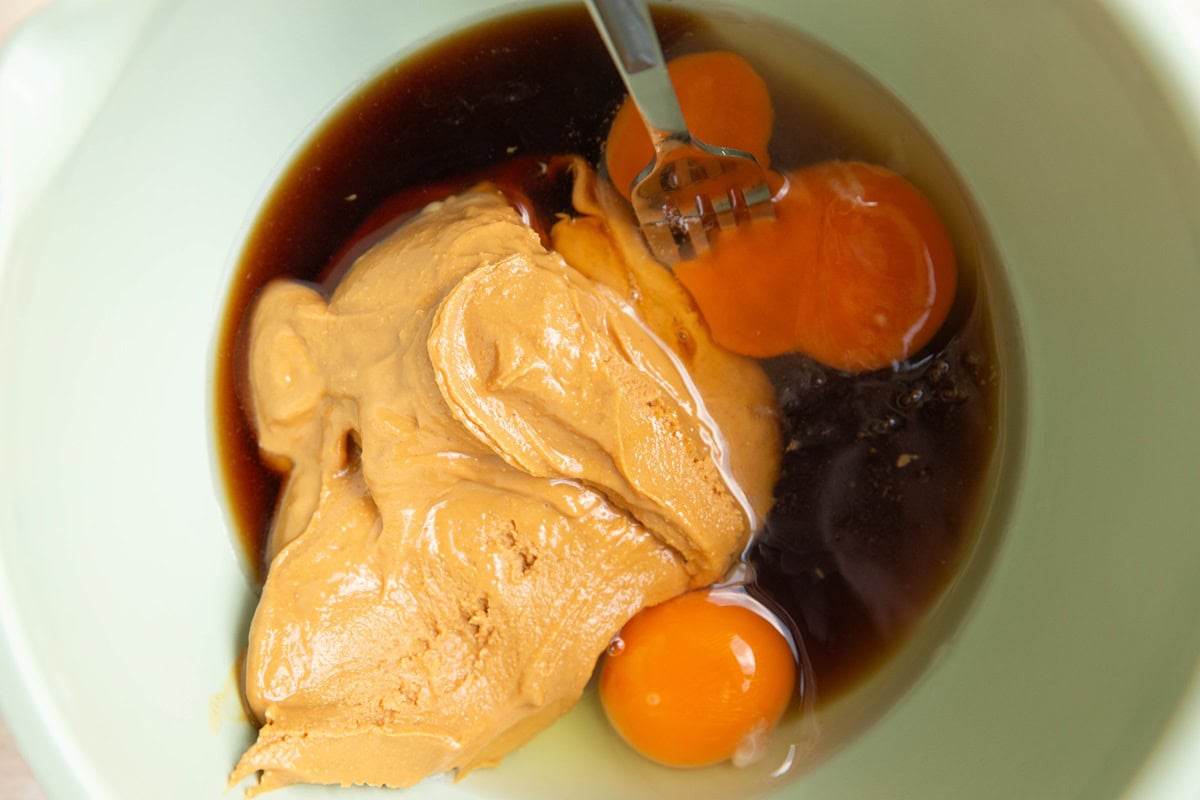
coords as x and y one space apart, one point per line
698 199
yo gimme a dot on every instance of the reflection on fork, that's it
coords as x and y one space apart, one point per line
693 191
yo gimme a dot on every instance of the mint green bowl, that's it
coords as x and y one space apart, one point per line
136 140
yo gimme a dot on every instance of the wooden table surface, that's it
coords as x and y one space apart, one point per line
16 783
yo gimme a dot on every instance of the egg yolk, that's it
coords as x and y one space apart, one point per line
722 98
697 680
857 271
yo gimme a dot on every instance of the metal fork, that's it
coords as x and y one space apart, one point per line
691 190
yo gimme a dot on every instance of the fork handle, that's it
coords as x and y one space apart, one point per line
628 33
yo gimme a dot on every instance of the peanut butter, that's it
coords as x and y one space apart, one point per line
495 457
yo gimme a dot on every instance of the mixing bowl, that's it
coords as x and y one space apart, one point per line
137 139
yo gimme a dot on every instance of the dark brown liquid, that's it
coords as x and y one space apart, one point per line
876 505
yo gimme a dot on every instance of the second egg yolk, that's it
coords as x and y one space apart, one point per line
696 680
723 100
857 271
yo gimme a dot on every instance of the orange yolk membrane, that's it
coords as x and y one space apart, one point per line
856 271
697 680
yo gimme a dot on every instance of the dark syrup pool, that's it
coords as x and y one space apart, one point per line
878 504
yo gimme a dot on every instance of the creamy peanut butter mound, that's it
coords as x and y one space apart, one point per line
494 460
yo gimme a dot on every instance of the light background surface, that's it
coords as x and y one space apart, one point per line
16 783
962 128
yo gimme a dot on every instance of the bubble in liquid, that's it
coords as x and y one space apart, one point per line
913 398
616 646
951 394
938 370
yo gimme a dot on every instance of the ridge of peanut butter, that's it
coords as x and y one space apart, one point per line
496 459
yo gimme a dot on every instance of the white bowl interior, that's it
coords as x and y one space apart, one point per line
122 599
